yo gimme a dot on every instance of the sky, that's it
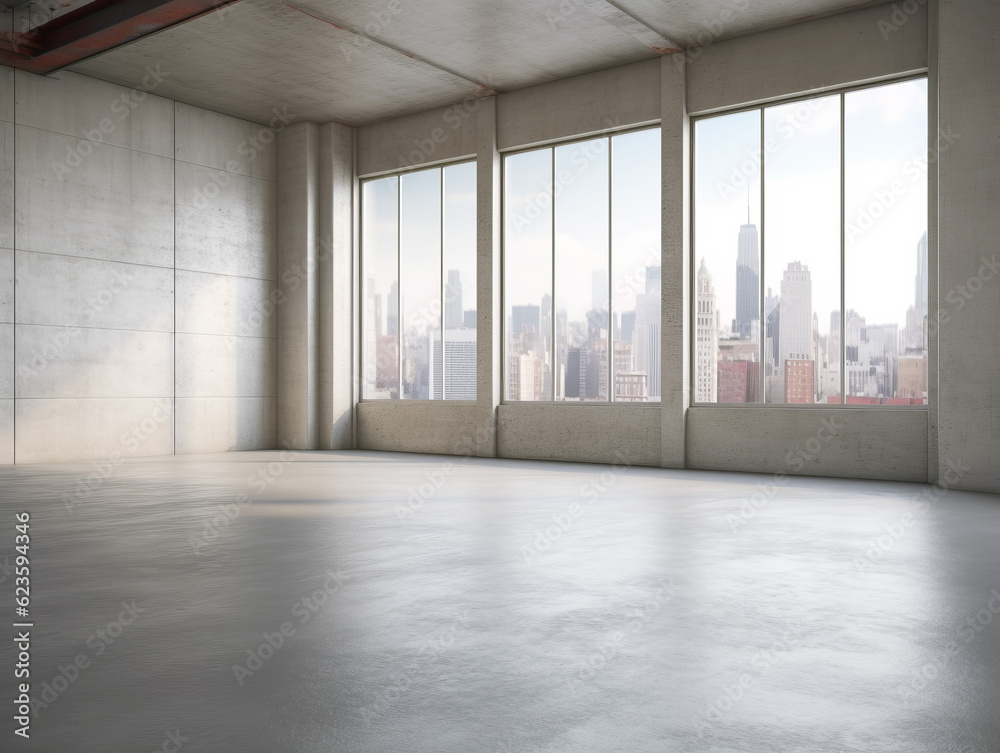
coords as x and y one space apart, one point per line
585 175
424 235
885 143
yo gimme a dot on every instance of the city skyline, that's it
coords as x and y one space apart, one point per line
885 144
882 361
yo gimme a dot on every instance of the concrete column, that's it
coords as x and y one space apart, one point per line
298 331
335 272
675 285
967 147
933 369
489 357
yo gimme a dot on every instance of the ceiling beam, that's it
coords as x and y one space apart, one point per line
484 90
639 31
94 28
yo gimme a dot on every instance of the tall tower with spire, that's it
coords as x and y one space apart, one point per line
707 342
747 279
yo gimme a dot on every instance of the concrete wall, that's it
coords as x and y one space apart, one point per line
594 103
887 444
408 426
6 265
143 245
795 60
845 49
587 433
968 335
175 203
440 135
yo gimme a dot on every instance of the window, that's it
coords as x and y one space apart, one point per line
418 246
582 271
810 244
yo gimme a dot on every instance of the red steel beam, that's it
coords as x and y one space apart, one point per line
94 28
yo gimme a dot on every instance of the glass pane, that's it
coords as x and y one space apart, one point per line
802 251
728 161
459 260
379 243
885 200
582 288
528 190
635 259
420 291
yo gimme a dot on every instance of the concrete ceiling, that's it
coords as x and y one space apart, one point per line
361 61
29 15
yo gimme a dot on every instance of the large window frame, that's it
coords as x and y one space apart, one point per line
841 92
443 284
553 145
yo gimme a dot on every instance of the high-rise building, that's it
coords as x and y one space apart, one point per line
597 323
747 281
880 351
706 339
772 317
912 380
738 381
653 279
630 387
453 300
525 377
799 380
597 374
853 336
525 319
576 373
387 366
459 368
646 338
469 319
795 338
623 357
627 326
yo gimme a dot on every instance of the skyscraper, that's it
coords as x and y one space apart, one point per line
747 281
576 373
795 338
627 326
795 329
646 338
525 319
707 339
459 367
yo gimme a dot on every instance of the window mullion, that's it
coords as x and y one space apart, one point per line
552 311
441 316
842 345
610 340
761 395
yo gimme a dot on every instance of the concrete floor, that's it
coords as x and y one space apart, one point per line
522 606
